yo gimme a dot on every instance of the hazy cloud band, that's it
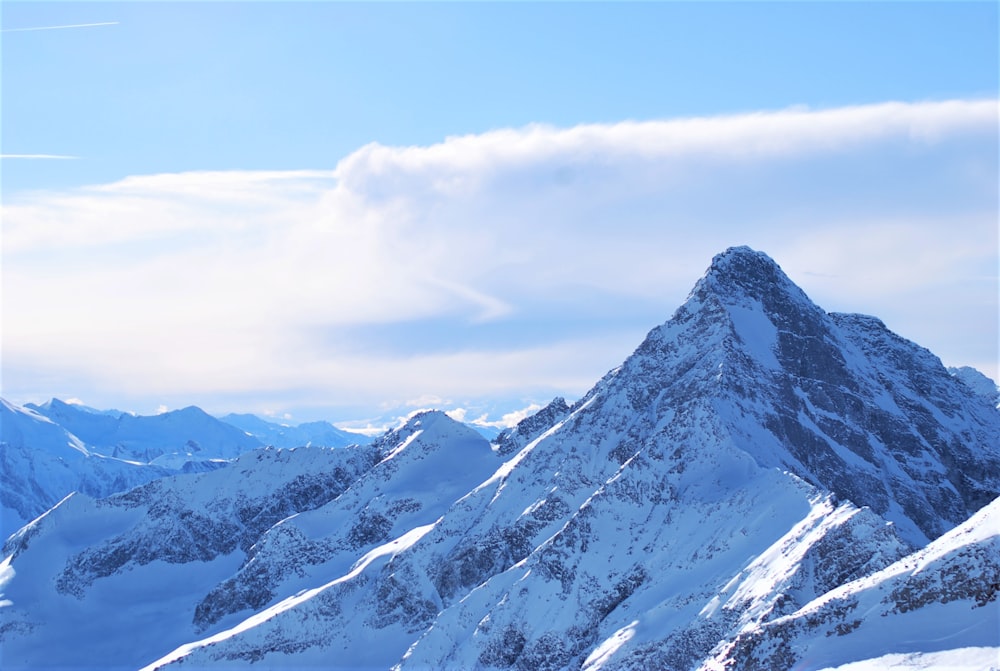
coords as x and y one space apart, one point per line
207 284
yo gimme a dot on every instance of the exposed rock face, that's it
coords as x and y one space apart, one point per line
856 409
753 456
511 440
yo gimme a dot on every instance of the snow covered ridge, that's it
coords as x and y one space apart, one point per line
321 434
50 450
942 599
761 485
979 383
189 432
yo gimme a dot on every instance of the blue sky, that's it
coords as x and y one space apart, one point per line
339 210
231 85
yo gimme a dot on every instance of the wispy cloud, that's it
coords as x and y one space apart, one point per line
61 27
555 248
59 157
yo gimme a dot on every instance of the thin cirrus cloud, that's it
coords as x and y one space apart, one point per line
520 262
60 27
56 157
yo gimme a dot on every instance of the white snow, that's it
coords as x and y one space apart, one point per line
757 332
388 549
959 659
7 573
606 650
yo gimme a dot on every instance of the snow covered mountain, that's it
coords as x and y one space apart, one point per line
189 434
50 450
759 481
201 551
41 462
320 434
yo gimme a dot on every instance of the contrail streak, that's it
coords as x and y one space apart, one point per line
52 156
75 25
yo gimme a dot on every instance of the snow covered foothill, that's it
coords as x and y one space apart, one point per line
345 557
639 561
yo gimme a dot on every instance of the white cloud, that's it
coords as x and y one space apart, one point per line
457 414
214 284
508 419
462 163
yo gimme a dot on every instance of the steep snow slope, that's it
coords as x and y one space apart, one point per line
426 466
320 434
942 599
752 455
846 404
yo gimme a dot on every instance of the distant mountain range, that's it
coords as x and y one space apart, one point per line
761 485
186 434
52 449
320 434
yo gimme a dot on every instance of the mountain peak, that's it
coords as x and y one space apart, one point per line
748 292
739 253
743 272
434 425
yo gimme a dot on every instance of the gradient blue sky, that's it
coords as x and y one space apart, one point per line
226 233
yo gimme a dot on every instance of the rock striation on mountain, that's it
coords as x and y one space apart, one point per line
757 477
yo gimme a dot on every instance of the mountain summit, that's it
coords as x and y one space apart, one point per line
734 494
744 272
846 404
